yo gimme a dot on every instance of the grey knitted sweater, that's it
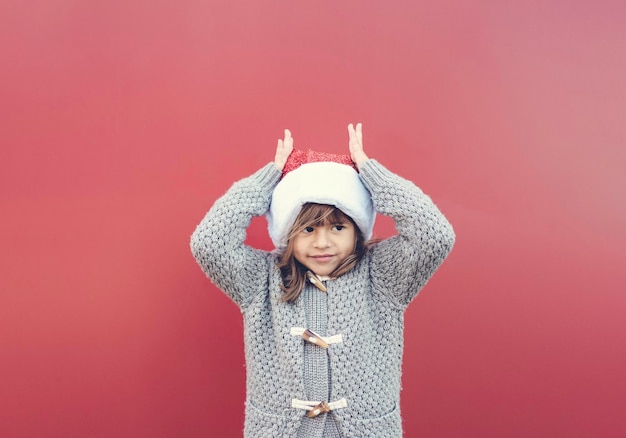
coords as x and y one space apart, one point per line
365 306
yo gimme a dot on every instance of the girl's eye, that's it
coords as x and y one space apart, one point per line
338 227
308 230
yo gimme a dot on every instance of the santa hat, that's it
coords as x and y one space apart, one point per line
319 178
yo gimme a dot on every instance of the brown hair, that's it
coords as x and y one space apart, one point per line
292 271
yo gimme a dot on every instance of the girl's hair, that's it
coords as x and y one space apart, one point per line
292 271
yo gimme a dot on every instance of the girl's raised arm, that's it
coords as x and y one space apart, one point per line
218 241
401 265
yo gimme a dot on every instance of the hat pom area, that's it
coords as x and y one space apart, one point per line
322 183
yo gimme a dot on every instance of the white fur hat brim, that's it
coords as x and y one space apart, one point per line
321 183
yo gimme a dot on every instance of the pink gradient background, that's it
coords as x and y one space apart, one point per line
122 121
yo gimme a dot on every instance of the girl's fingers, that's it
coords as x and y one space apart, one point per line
288 139
356 135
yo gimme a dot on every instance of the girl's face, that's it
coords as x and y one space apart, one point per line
321 248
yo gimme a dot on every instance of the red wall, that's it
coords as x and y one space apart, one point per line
122 121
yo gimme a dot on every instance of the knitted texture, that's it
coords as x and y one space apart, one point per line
366 306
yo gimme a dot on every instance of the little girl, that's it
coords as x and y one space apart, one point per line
323 313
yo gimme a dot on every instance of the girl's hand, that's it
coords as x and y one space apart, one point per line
356 145
283 149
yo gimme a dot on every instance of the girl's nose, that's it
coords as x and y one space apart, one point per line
321 239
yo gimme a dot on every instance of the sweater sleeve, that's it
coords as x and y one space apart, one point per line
218 241
401 265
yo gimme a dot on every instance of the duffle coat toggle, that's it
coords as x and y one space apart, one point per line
313 338
315 408
316 281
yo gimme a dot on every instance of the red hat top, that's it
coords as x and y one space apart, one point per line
297 158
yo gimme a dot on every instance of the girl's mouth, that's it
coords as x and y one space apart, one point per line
322 257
